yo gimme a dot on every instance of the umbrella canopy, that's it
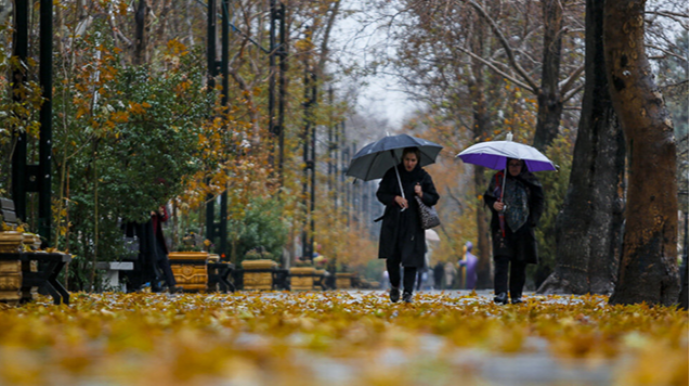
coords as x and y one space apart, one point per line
493 154
373 160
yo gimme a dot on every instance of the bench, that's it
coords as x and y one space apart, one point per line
112 272
37 270
218 277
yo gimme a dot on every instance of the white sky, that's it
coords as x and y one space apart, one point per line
356 43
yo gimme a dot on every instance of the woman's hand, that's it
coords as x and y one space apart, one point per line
418 190
499 206
401 201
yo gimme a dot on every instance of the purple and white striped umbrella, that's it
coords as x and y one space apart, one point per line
493 155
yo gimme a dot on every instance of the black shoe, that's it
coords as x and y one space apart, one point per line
175 290
515 300
501 298
395 294
407 297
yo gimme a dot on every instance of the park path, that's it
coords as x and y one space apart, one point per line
340 338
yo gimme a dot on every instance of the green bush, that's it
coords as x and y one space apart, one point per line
261 226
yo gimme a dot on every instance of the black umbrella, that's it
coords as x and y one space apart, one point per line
374 159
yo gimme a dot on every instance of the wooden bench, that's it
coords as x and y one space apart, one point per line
37 270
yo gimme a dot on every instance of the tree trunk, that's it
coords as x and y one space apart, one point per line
549 96
481 126
588 227
684 302
140 18
648 268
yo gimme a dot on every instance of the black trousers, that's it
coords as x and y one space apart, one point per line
164 265
409 275
503 264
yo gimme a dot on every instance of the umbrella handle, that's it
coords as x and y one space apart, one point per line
397 173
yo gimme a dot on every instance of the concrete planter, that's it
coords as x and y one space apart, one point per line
10 280
190 270
343 280
258 280
11 242
302 283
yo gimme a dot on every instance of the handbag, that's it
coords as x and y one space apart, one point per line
427 215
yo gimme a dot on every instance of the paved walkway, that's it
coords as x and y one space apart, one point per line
535 367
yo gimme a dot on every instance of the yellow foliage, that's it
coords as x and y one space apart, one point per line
249 337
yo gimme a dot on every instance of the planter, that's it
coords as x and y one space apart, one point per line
261 280
11 242
302 279
31 242
343 280
189 269
10 280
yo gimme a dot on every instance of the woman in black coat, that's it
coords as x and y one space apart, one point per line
402 237
514 243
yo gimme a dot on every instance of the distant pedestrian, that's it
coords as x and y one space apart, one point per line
438 275
515 213
402 238
161 252
450 272
470 264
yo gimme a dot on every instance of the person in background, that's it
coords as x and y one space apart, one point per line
470 264
402 240
449 273
515 212
161 252
438 275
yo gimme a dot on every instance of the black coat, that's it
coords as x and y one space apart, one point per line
402 231
520 245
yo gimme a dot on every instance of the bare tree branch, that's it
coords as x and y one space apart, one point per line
500 72
573 93
568 83
667 52
326 36
504 42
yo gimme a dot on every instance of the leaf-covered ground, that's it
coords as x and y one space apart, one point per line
340 338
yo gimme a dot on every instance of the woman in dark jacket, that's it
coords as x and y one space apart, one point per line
514 242
402 237
161 251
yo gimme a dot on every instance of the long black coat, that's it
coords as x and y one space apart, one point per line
521 245
403 230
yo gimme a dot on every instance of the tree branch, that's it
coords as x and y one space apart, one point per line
498 71
326 37
568 83
573 93
667 52
504 42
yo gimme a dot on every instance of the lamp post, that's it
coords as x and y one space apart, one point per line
34 178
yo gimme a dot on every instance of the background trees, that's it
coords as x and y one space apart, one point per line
136 124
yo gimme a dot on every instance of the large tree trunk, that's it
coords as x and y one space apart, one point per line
141 20
588 227
684 301
648 269
481 126
550 104
683 298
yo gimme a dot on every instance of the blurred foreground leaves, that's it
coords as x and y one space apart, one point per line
343 338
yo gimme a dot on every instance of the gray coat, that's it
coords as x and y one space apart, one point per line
520 245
